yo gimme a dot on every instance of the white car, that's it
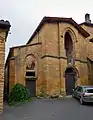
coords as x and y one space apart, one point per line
83 93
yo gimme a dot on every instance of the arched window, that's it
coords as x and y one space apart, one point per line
68 47
30 66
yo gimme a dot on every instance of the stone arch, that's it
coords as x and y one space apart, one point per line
72 33
71 73
68 47
71 76
30 55
69 44
31 74
72 68
30 64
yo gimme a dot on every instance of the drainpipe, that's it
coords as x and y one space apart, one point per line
59 56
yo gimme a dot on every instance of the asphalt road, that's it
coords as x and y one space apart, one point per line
66 109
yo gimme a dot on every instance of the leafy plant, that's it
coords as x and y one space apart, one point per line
18 94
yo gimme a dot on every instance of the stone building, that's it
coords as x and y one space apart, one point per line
57 57
4 28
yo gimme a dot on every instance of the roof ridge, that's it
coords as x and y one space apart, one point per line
59 19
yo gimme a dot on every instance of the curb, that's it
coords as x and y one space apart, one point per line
68 96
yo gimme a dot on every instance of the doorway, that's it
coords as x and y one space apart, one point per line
30 75
70 78
31 86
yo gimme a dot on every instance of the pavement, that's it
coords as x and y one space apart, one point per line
46 109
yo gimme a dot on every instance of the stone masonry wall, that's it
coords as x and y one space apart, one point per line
53 46
2 58
20 54
79 46
89 51
11 73
50 69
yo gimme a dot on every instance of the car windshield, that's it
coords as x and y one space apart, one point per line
89 90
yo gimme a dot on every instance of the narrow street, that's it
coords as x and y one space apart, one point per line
65 109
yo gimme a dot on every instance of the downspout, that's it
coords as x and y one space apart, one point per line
59 56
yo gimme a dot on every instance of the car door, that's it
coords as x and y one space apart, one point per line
75 91
79 91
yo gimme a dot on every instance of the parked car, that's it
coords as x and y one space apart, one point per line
83 93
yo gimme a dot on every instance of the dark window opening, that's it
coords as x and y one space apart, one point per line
69 48
69 70
30 73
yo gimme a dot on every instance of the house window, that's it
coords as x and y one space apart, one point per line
30 73
68 48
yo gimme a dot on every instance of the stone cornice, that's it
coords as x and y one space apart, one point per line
61 57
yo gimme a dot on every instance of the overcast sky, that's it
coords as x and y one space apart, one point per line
25 15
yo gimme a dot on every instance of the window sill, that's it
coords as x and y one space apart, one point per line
30 78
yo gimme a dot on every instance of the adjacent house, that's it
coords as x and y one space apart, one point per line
4 29
57 57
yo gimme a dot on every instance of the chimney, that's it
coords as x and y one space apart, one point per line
87 18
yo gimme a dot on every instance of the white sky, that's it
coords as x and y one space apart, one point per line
25 15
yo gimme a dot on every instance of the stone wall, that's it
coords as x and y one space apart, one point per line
49 51
53 75
2 58
54 46
4 29
18 64
89 51
80 52
11 73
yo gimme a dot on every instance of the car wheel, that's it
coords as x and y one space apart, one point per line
81 101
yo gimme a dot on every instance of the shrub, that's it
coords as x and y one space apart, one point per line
18 94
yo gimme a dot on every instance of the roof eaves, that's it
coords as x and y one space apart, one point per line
87 24
10 50
48 20
80 29
91 40
37 29
58 19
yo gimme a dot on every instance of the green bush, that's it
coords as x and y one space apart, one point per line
18 94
